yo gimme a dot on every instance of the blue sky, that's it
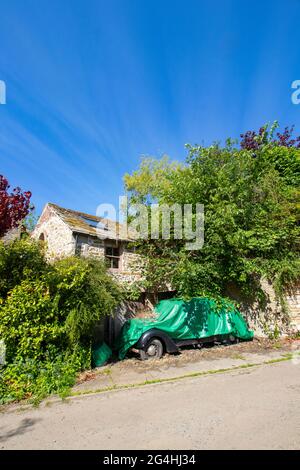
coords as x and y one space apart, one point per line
93 85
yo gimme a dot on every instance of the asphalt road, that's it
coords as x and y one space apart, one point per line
257 408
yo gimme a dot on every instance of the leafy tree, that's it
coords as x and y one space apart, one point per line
251 203
14 206
30 221
253 140
152 179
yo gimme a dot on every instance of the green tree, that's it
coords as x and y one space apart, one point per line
251 203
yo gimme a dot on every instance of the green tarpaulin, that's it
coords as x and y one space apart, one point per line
197 318
101 354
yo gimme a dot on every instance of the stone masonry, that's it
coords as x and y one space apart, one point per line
56 234
62 240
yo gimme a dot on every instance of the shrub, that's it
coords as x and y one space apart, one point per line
29 321
47 318
20 260
85 293
34 380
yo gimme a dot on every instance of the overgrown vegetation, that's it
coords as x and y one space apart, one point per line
47 318
250 192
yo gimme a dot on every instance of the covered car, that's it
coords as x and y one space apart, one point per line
178 322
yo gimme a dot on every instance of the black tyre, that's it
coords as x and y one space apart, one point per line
153 350
233 339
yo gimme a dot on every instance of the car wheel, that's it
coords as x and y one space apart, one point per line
153 350
232 339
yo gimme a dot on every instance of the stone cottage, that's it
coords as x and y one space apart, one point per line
68 232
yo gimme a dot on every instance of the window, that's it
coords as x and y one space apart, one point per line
113 257
82 239
94 223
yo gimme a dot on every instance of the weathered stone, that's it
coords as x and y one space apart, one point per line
271 316
58 237
61 241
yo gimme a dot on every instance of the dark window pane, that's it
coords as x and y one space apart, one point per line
82 239
115 262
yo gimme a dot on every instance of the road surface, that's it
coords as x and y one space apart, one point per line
256 408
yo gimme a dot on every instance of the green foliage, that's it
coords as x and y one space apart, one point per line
152 179
30 221
286 161
251 204
20 260
34 380
47 318
29 322
95 296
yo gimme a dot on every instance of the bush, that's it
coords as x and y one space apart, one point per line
29 322
84 293
34 380
47 318
19 260
97 298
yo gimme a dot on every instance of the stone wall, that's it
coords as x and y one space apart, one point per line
269 317
127 272
88 249
126 275
130 261
293 304
125 278
56 234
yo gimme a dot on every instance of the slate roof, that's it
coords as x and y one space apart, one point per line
81 222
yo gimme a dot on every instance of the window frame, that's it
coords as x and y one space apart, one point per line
112 257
